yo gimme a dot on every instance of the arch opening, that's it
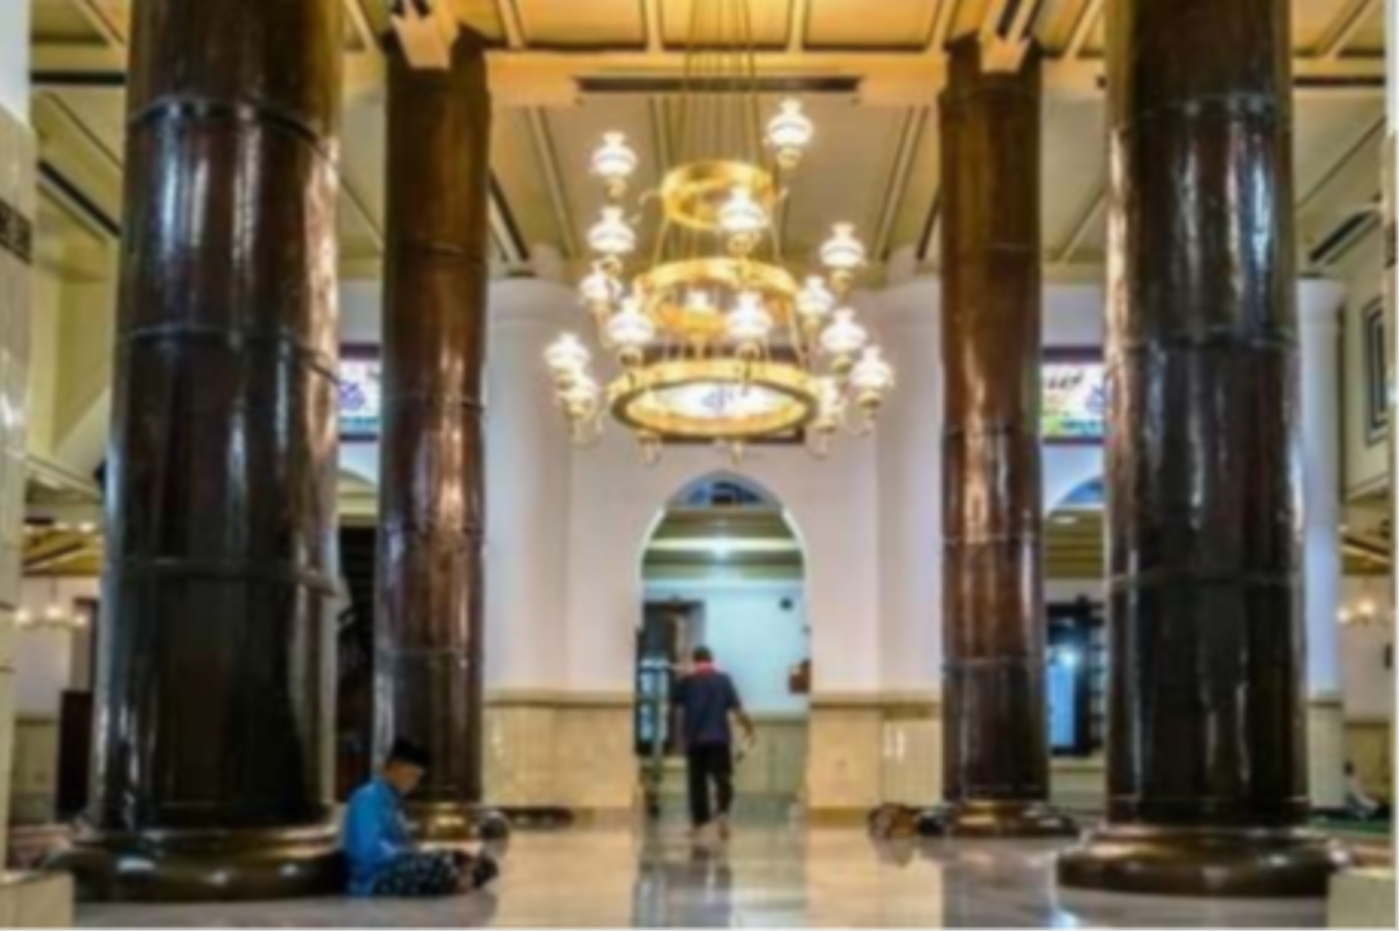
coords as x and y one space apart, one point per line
724 567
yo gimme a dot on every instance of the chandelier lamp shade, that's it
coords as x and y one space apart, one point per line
701 330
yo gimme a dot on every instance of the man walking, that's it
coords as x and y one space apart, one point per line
703 701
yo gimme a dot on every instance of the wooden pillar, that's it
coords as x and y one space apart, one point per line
995 748
212 717
1207 721
431 522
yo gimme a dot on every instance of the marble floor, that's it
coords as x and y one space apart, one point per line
771 875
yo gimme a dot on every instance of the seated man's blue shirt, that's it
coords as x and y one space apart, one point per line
375 834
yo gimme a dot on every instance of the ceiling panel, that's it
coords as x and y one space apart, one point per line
969 16
900 24
1097 37
1369 38
81 140
1058 22
1312 19
518 153
103 116
1324 131
920 189
1074 166
59 22
482 16
362 167
845 176
571 24
576 132
771 22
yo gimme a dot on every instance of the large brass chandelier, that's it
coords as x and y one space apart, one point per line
712 337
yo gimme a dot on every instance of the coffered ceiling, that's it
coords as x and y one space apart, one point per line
563 71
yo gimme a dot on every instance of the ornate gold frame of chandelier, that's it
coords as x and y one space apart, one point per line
714 338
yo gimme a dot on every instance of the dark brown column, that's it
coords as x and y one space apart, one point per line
428 664
995 752
1207 740
212 713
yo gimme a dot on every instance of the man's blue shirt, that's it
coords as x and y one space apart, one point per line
375 833
705 698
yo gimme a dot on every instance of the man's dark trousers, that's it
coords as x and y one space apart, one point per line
710 763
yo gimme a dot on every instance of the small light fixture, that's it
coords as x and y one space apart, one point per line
699 303
842 338
611 237
742 218
871 378
567 358
748 324
843 254
599 290
814 303
789 133
614 161
631 330
581 396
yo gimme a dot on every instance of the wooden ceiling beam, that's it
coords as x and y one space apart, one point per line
799 12
551 79
511 24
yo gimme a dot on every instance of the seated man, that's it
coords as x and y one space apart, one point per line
1359 804
383 861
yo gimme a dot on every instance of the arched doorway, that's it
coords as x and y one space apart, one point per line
724 568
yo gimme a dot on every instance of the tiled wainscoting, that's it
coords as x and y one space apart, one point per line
872 748
1371 748
849 754
34 776
568 749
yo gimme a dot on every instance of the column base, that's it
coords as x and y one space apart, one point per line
456 822
1363 900
987 819
204 866
1232 862
43 900
537 817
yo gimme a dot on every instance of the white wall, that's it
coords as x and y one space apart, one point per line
616 502
908 319
45 659
868 516
754 639
1367 686
14 58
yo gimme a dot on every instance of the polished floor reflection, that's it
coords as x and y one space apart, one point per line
770 875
